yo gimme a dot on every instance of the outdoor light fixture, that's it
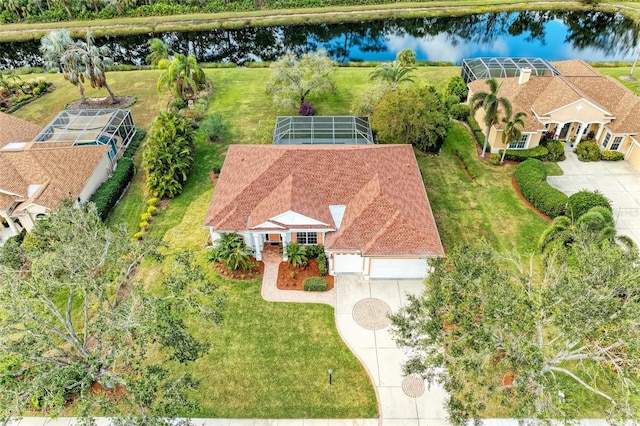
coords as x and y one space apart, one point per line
330 376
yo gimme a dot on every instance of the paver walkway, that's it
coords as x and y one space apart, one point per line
617 180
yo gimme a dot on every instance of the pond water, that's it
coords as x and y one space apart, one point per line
555 35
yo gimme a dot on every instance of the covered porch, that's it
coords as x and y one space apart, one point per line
574 132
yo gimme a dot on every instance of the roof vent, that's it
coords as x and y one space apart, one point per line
525 74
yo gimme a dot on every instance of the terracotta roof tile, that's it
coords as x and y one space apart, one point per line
387 210
13 129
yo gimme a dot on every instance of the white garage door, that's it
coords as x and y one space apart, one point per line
398 268
347 264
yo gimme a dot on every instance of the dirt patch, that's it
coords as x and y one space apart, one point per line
255 273
524 200
292 278
102 103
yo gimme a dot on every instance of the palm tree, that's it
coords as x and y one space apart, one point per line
490 102
393 73
159 50
232 251
296 255
78 60
512 130
598 222
182 74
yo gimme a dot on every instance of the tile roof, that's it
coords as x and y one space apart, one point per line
59 172
543 94
387 210
13 129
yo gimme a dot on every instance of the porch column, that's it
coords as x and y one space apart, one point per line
285 243
600 129
12 226
581 133
559 127
257 246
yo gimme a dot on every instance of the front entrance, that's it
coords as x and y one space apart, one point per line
273 239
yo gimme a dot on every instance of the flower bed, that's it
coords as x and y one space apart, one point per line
292 278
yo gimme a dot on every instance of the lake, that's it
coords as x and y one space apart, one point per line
553 35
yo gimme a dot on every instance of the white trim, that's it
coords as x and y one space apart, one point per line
587 101
293 218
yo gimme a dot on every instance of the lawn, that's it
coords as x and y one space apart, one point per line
617 72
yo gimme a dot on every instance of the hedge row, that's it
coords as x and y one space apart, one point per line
531 178
108 194
314 284
477 131
135 143
539 153
608 155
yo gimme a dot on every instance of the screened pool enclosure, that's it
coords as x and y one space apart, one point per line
345 130
113 127
485 68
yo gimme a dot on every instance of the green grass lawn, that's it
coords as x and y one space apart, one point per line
617 72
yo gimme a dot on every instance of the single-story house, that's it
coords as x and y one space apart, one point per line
68 159
366 204
576 105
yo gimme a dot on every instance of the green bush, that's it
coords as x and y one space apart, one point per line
477 131
460 112
556 150
494 159
588 151
144 225
582 201
313 251
216 165
200 108
138 137
153 201
539 153
152 210
145 217
322 264
608 155
315 284
11 254
108 194
213 127
531 178
137 236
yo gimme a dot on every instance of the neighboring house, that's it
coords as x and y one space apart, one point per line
35 176
365 203
577 105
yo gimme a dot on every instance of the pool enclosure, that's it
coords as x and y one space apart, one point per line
484 68
345 130
113 127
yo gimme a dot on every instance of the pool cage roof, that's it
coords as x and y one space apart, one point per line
345 130
485 68
89 127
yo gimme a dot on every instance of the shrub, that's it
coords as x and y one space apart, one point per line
108 194
460 112
556 150
588 151
216 165
306 109
138 137
477 131
450 101
322 264
200 108
582 201
144 225
456 86
153 201
313 251
494 159
315 284
152 210
296 255
176 104
11 254
137 236
608 155
531 178
539 153
145 217
213 127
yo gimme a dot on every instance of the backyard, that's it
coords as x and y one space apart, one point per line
270 360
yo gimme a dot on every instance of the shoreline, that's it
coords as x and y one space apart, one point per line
228 20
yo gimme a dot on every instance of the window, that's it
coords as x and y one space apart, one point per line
306 237
521 144
616 143
605 142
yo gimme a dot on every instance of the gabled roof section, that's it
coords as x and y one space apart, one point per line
16 130
373 193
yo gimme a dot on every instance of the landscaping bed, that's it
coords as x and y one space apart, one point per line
252 274
292 278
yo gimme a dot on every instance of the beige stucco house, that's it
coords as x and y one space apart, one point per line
579 104
366 204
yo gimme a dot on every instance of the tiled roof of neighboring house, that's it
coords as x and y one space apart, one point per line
387 210
39 174
14 129
547 93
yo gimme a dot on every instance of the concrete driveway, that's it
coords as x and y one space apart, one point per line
616 180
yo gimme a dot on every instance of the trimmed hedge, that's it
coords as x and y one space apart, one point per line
539 153
531 178
322 264
108 194
608 155
588 151
315 284
135 143
583 201
460 112
477 131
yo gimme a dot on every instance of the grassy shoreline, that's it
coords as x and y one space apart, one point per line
227 20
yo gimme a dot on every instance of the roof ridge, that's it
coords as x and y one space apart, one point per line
382 230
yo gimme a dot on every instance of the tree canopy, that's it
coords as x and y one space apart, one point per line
294 79
75 328
488 327
413 115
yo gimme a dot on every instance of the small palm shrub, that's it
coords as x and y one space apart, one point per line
296 255
588 151
233 252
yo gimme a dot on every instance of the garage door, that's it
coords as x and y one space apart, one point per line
398 268
347 264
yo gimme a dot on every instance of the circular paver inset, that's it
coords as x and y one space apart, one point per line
372 314
413 386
